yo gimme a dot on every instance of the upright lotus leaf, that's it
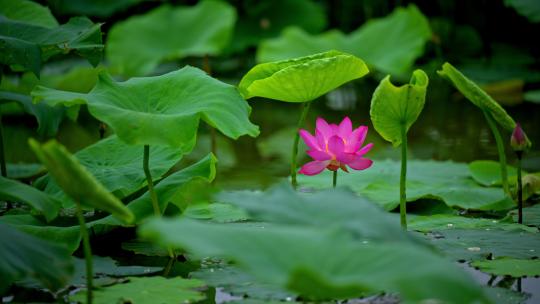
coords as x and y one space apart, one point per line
28 45
14 191
393 111
206 30
27 11
302 79
25 256
320 263
493 112
162 110
76 181
390 44
396 108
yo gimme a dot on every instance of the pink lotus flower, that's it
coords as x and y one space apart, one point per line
335 147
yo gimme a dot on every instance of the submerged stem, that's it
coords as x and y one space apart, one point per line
149 181
87 253
500 150
403 179
3 169
305 110
334 179
520 189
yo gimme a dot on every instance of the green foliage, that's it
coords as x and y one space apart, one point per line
301 79
28 12
389 44
27 45
48 118
205 29
147 290
527 8
266 19
100 8
396 108
475 244
532 96
24 256
23 170
162 110
509 267
488 173
14 191
531 215
118 166
477 96
439 222
76 181
317 259
446 181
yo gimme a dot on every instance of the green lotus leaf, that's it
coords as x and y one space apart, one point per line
320 263
394 108
206 30
162 110
91 7
527 8
509 267
488 173
531 215
118 166
449 182
15 191
27 11
28 45
390 44
147 290
439 222
477 96
25 256
302 79
76 181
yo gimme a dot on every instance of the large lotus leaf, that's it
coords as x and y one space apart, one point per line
15 191
445 181
100 8
488 172
319 263
302 79
390 44
282 204
439 222
24 170
76 181
266 19
162 110
167 190
527 8
509 267
531 215
24 256
27 11
206 29
475 244
148 290
477 96
28 45
394 109
48 118
118 166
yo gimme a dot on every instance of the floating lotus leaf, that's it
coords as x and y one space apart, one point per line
162 110
509 267
205 28
394 108
76 181
488 173
302 79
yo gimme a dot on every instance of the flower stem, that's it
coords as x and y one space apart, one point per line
500 150
149 181
303 116
334 179
403 179
213 135
2 155
87 253
520 188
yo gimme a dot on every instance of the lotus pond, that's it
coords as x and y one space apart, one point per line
269 151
